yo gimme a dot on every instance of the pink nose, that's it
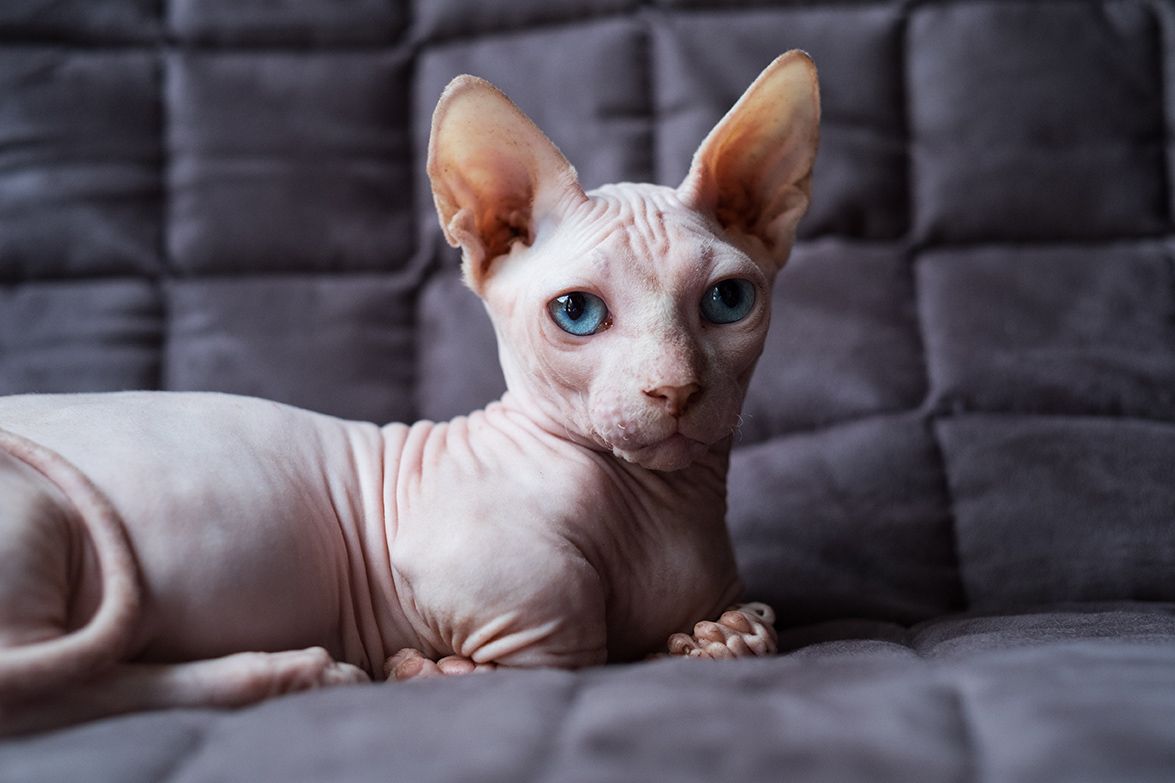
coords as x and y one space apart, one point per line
675 398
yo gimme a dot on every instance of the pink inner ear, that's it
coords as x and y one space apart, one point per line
499 228
490 197
752 171
494 174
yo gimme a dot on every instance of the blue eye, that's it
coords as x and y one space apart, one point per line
728 301
579 313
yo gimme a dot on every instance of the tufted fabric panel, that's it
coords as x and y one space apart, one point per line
968 395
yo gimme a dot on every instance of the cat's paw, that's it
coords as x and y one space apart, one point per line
237 680
742 631
410 664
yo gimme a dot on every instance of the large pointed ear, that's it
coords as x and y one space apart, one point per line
495 176
752 172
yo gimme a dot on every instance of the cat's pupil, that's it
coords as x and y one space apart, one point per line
573 306
730 293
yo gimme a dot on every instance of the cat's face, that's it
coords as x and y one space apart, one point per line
629 318
632 324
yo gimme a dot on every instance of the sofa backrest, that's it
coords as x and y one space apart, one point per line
968 397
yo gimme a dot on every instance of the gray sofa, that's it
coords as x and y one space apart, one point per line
956 476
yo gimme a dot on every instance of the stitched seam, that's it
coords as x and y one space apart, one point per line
968 737
1165 28
183 760
507 30
162 290
9 278
912 260
1169 254
652 145
547 767
938 414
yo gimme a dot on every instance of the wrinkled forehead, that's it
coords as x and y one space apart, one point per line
650 219
646 231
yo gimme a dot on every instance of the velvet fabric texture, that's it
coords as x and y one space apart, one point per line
954 478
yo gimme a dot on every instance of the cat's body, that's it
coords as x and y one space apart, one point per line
149 538
247 540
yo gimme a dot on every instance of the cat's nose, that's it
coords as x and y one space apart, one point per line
675 398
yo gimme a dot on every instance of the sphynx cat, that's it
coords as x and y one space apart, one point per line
168 549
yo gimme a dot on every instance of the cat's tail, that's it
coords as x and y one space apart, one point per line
48 665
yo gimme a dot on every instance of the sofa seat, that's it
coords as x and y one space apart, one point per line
1084 692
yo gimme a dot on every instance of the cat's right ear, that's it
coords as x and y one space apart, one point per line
495 176
753 172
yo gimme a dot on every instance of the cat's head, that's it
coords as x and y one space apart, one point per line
628 318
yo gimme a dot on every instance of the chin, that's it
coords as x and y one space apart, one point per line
674 453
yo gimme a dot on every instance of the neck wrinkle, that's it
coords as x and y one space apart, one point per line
716 461
512 405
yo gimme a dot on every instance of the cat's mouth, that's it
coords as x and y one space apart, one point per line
674 452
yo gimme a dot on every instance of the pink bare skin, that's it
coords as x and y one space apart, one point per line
166 550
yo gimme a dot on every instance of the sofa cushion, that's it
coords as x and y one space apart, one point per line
1078 695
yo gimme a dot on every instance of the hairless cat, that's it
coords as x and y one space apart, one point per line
175 549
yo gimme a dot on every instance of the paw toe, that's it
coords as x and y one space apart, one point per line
761 611
709 631
344 674
398 658
681 644
742 646
737 621
409 664
455 664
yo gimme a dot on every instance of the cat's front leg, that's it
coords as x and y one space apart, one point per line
742 631
411 664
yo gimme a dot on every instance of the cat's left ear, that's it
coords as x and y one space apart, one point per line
495 176
753 171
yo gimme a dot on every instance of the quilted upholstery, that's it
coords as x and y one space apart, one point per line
967 402
1055 696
